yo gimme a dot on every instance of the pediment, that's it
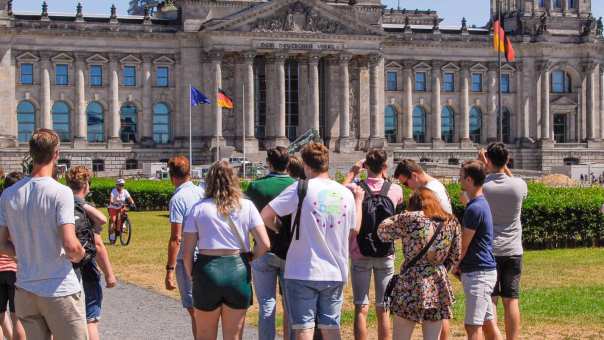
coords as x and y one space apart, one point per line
130 60
451 67
508 68
62 57
27 57
564 101
163 60
97 59
479 68
393 65
292 16
422 66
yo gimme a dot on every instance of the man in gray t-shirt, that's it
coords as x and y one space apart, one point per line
505 195
37 225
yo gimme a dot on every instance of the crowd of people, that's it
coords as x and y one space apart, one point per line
294 235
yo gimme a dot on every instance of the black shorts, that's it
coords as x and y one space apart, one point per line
7 291
509 270
219 280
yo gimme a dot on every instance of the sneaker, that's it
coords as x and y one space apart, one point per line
112 238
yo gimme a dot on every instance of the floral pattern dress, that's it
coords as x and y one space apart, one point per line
424 292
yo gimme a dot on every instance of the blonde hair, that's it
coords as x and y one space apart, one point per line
222 186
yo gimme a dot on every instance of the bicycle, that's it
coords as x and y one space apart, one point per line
124 231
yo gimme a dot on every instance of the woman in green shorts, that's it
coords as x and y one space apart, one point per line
219 226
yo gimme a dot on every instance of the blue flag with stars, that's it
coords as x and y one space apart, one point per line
198 98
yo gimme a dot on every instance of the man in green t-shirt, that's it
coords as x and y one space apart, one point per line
270 267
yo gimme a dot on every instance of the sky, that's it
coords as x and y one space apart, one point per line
476 11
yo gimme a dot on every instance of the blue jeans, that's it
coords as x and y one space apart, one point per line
265 272
310 301
185 285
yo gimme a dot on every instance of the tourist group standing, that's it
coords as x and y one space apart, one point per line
294 235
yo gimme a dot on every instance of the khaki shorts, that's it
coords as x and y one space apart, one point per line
63 317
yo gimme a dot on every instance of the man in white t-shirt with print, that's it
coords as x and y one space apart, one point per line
411 175
316 268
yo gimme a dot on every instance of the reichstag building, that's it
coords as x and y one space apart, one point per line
116 88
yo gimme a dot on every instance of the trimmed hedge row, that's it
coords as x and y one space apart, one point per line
551 218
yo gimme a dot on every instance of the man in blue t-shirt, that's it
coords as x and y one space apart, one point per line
478 266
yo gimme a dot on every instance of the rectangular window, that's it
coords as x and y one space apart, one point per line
392 81
557 3
96 75
129 76
27 74
162 77
61 74
571 4
542 3
420 82
476 82
449 82
505 83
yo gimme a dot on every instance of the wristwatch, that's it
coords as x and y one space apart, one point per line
169 268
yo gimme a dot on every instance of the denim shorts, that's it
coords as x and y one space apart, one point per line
93 291
478 287
185 285
314 300
382 268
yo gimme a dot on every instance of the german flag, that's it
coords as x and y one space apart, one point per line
224 101
510 53
498 37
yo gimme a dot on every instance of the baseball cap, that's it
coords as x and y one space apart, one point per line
120 181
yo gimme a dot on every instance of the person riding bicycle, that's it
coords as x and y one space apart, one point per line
117 205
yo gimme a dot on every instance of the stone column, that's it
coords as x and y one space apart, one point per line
114 114
376 104
363 104
275 120
81 134
216 79
313 92
147 121
465 104
247 74
493 105
601 75
591 70
8 128
408 88
436 103
46 118
545 112
344 142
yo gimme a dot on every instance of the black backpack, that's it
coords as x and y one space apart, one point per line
85 234
377 206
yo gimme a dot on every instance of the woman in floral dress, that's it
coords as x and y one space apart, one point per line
423 294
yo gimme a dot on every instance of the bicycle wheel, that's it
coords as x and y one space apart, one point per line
126 233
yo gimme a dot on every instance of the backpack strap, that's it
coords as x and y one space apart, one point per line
385 188
365 187
302 189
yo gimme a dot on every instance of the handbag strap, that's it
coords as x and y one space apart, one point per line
302 189
423 252
235 231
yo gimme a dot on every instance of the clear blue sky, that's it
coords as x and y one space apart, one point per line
476 11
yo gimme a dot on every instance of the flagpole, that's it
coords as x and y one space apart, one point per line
190 129
499 100
243 130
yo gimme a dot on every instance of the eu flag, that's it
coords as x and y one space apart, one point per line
198 98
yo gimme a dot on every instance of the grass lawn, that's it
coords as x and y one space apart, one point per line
562 297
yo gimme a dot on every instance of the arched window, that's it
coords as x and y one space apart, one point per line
161 123
128 117
390 124
448 124
60 120
560 82
26 121
96 123
507 125
419 125
475 124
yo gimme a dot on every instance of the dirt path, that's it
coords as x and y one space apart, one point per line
131 313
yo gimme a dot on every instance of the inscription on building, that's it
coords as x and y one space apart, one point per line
289 45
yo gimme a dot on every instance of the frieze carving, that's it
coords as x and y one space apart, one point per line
298 17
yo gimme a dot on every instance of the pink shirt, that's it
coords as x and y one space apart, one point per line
375 184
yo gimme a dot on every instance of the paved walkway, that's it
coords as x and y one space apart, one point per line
131 313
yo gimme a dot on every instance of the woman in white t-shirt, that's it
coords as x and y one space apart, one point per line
117 203
220 226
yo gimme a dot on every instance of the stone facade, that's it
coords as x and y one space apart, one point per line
117 88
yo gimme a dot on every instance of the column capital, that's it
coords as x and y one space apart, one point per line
375 59
492 66
589 66
45 56
409 64
114 57
277 57
147 59
80 57
247 57
466 64
543 65
313 58
344 58
437 65
212 56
